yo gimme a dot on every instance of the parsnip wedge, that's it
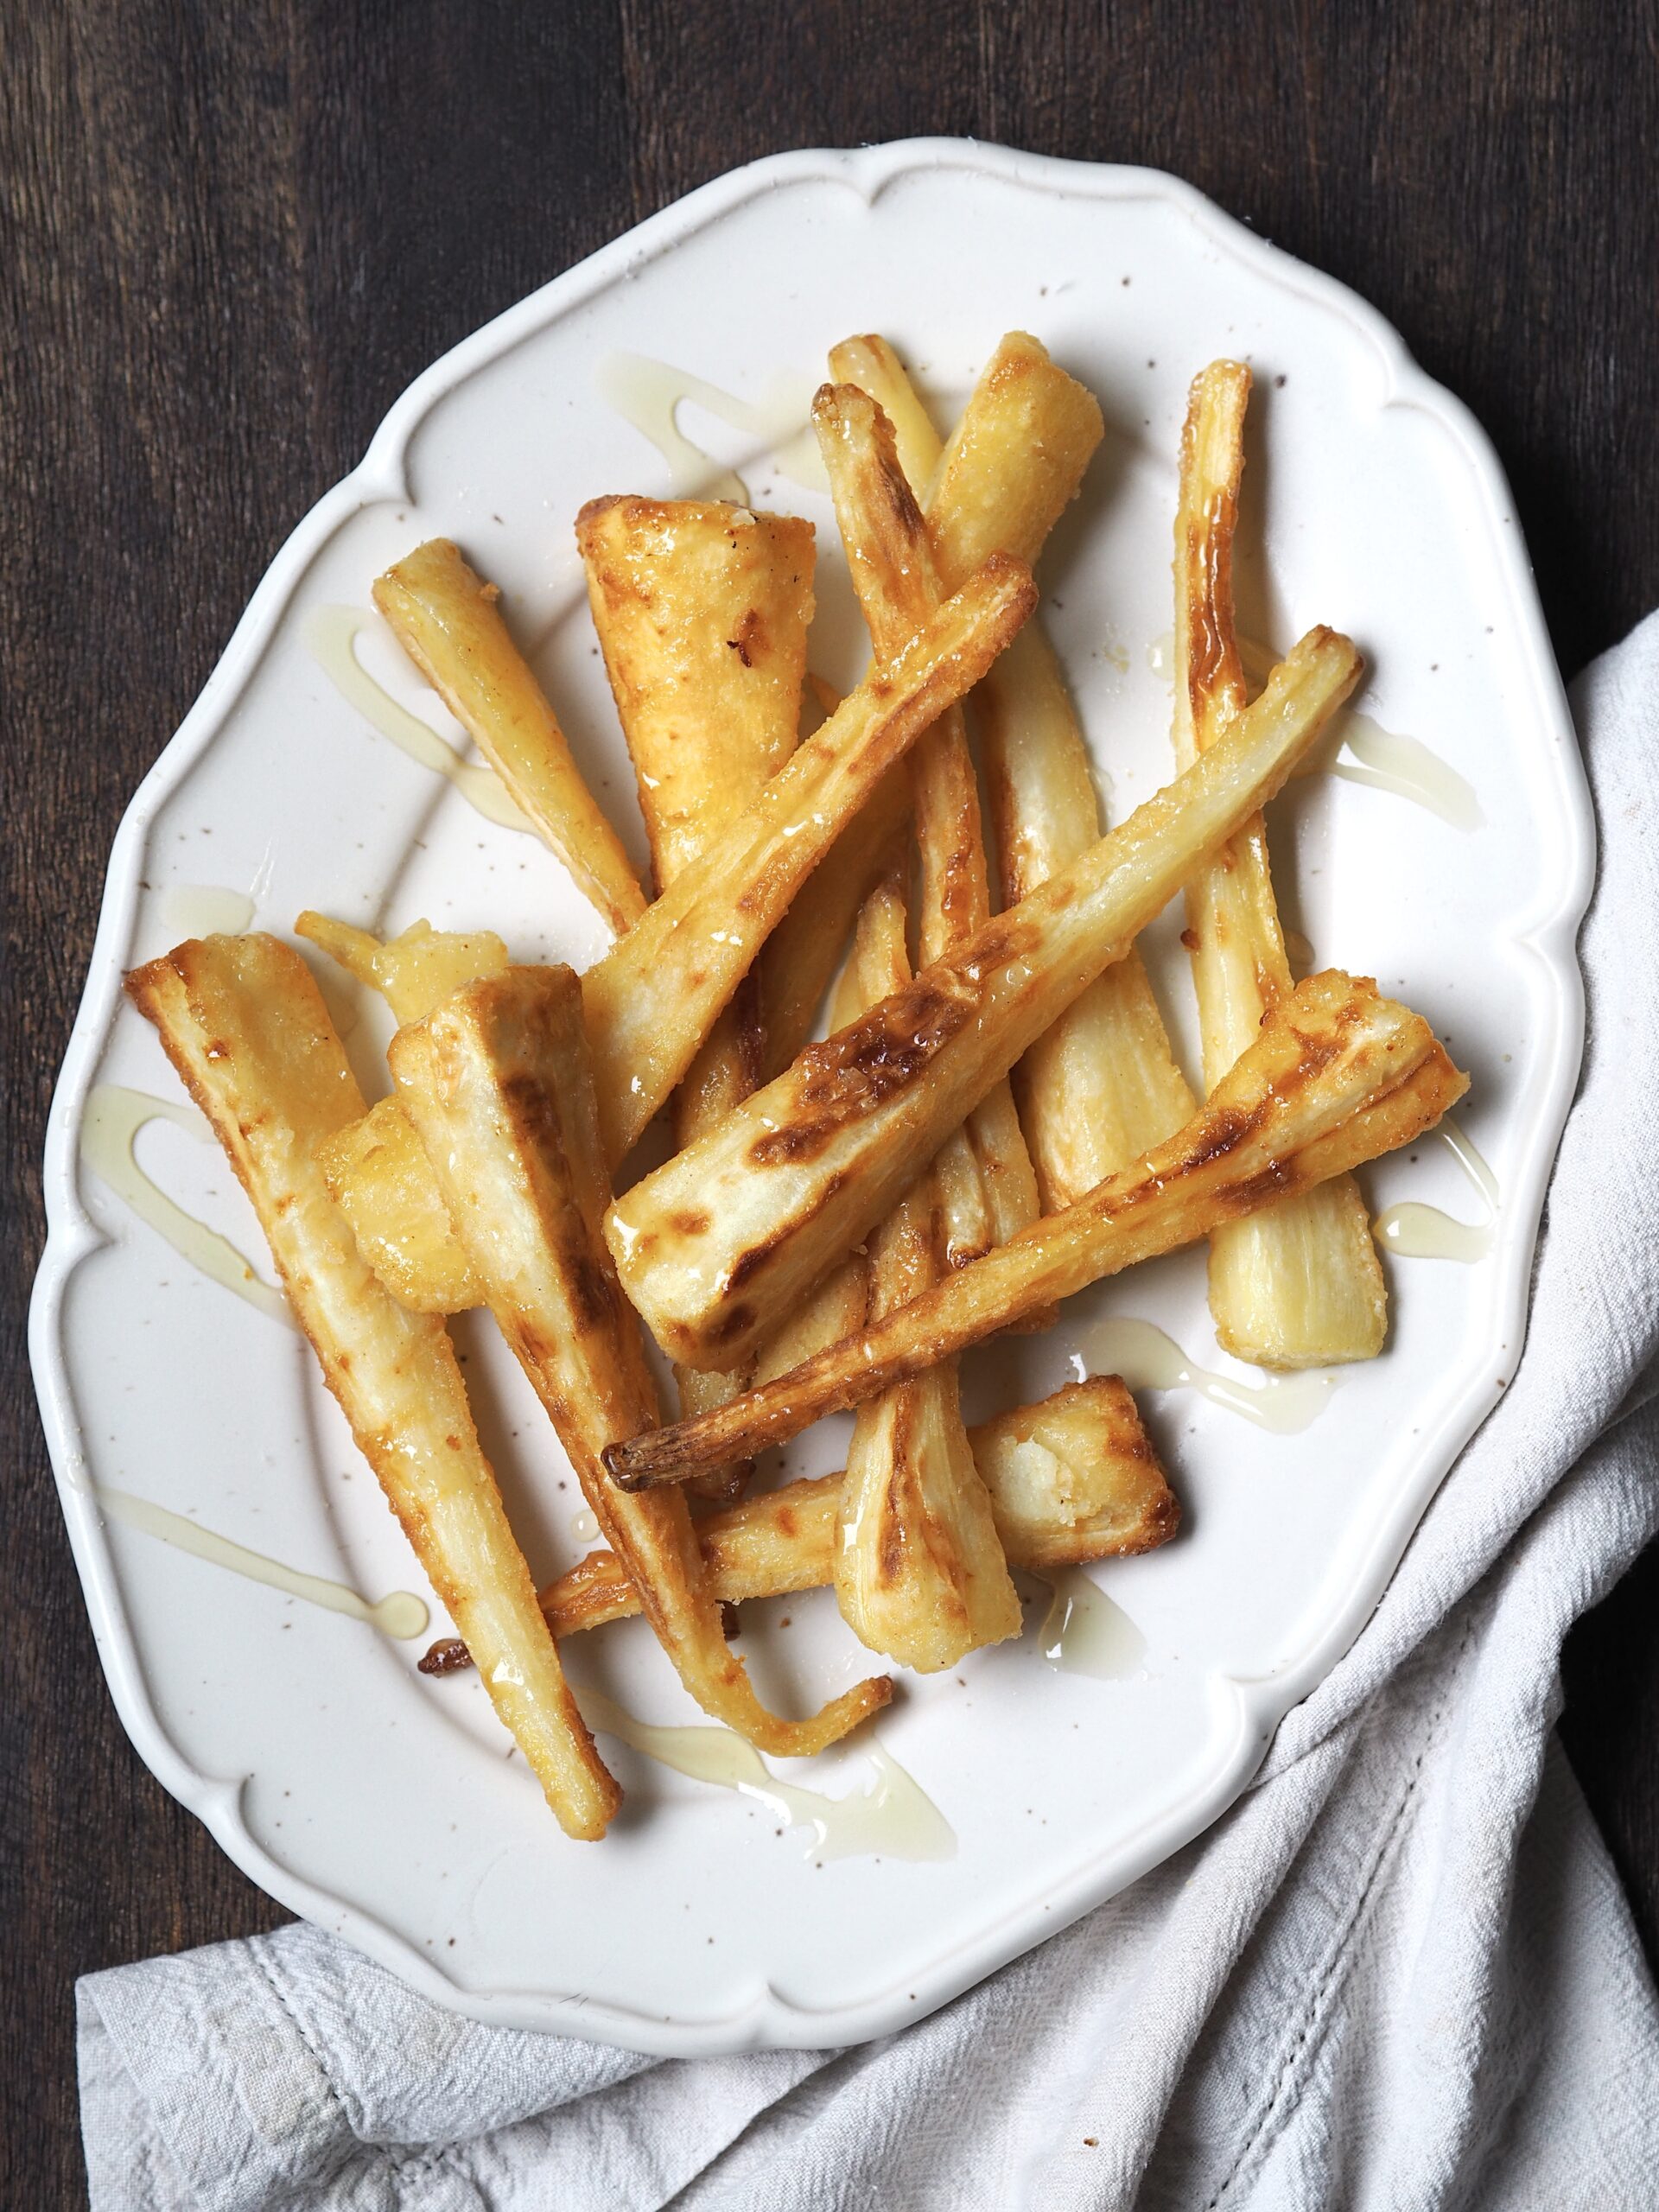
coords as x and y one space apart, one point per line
652 999
871 363
839 1305
244 1025
742 1225
1336 1075
800 957
1014 461
411 972
1073 1478
1102 1085
448 622
842 1302
918 1571
375 1169
702 611
379 1177
983 1177
496 1084
1299 1285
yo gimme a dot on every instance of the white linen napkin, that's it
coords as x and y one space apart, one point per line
1398 1973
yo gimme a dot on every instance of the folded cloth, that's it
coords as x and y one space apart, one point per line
1399 1973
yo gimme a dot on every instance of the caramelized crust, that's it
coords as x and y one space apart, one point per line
1336 1075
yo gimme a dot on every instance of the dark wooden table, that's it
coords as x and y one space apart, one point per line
232 236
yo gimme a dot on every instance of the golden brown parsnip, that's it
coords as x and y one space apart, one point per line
1073 1478
742 1225
376 1170
839 1305
379 1177
841 1302
1336 1075
871 363
449 623
244 1023
701 610
799 959
984 1179
1102 1085
1014 461
412 972
497 1084
654 997
1299 1285
918 1571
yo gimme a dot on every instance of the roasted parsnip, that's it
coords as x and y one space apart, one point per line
839 1305
1336 1075
982 1176
375 1169
496 1084
1101 1085
918 1571
1072 1478
244 1025
842 1302
800 957
448 622
379 1177
702 611
1014 461
653 998
1298 1284
412 972
871 363
743 1225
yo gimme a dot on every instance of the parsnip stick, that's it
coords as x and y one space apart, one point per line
379 1177
1299 1285
892 565
839 1305
871 363
842 1302
653 998
701 610
375 1169
244 1025
1014 461
918 1571
496 1084
412 972
742 1225
1073 1478
448 622
1336 1075
984 1178
801 956
1101 1085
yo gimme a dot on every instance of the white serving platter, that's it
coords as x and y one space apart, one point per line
384 1805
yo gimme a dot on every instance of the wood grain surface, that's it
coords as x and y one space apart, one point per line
232 235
